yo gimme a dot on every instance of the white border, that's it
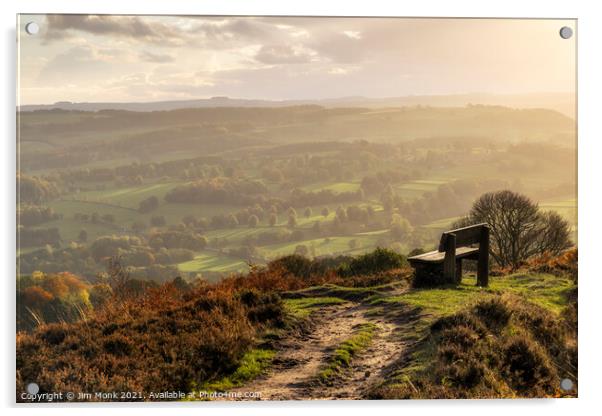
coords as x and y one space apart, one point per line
590 106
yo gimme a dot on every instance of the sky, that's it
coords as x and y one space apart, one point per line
89 58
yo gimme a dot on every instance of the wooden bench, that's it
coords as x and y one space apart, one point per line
454 246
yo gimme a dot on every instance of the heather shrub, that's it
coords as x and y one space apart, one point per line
565 263
527 368
379 260
139 348
499 347
263 308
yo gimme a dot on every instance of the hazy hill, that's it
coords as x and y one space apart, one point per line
562 102
47 135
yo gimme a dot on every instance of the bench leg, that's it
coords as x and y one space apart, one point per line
483 264
449 261
459 271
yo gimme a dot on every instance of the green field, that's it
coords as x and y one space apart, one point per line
213 262
69 227
306 222
377 232
417 188
236 235
323 246
129 197
126 215
441 224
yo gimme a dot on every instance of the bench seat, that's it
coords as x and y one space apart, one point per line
438 256
444 266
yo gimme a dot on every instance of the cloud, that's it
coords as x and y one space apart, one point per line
158 83
283 54
103 57
352 34
155 57
247 29
77 64
216 33
340 48
60 26
337 70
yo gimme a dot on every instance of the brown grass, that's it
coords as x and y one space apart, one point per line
501 347
166 338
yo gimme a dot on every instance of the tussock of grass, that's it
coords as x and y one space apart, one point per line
500 346
438 301
546 290
514 338
342 292
251 365
344 353
302 307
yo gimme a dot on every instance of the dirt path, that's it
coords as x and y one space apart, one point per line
293 374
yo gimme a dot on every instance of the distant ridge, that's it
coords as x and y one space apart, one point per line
561 102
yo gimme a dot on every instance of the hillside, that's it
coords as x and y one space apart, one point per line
561 102
117 134
204 192
288 334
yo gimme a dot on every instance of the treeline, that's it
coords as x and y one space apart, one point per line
29 215
32 237
291 170
377 183
251 216
300 197
295 170
113 246
94 217
201 167
177 239
450 199
149 204
235 118
217 190
44 298
294 165
147 256
35 190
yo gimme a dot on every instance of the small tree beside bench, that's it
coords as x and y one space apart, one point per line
444 265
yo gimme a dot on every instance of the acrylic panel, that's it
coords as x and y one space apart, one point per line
295 208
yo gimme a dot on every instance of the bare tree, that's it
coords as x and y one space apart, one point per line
519 229
554 233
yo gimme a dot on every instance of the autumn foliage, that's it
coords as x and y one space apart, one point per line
154 338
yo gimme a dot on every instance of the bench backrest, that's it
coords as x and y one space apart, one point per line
464 236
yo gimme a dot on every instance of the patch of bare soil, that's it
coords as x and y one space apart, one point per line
299 360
